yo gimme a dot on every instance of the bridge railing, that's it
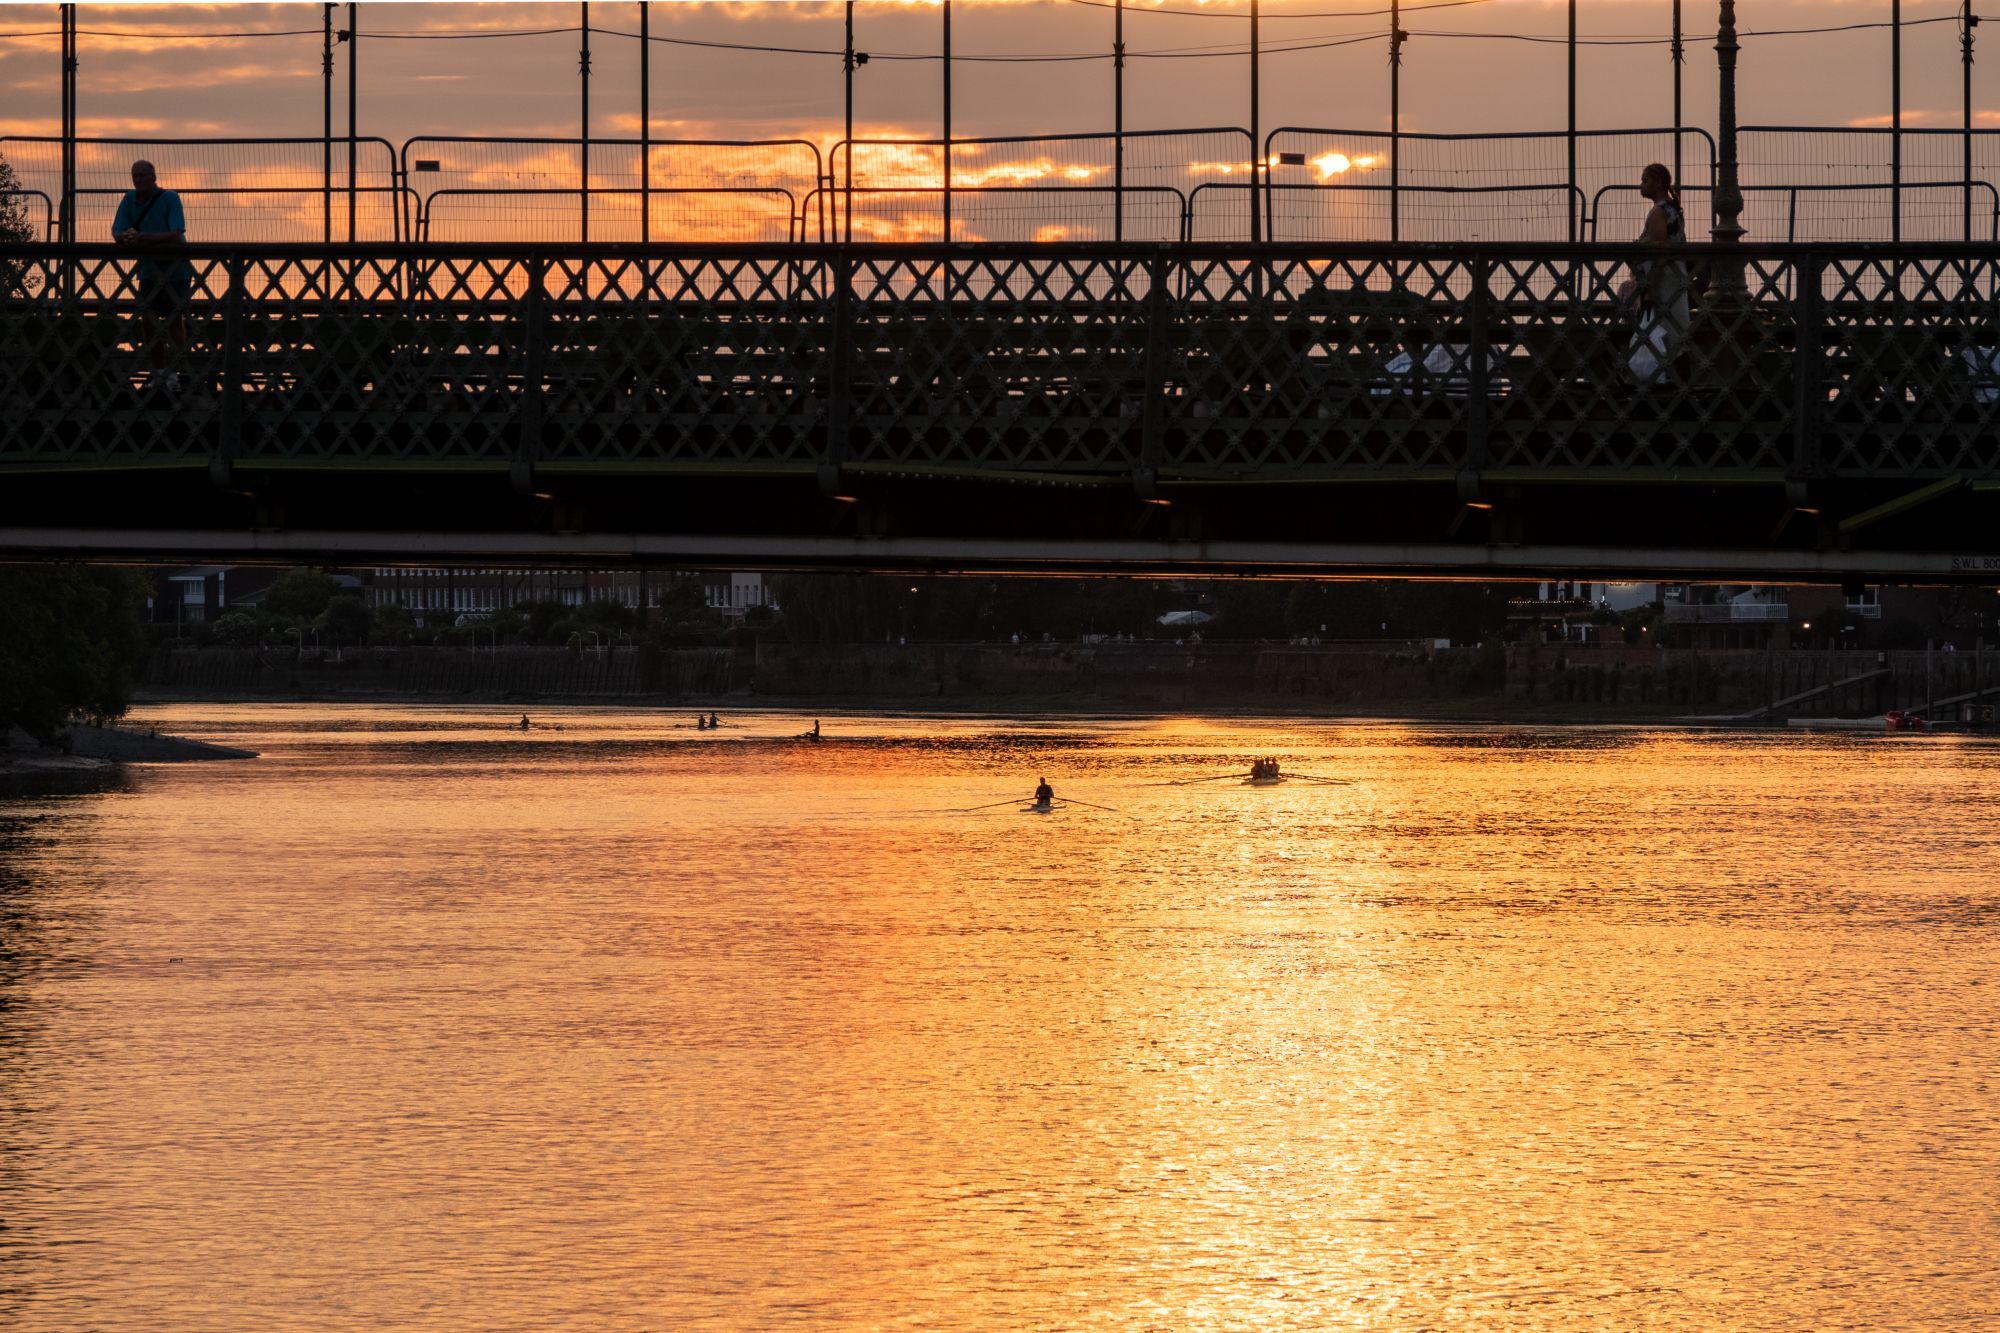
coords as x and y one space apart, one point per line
1090 364
240 189
1493 187
521 179
1455 188
765 214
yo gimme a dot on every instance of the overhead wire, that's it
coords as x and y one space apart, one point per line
1214 51
116 35
1316 14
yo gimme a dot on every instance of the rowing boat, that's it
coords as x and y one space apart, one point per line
1039 808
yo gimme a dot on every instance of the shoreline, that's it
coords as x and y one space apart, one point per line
93 754
52 773
1478 712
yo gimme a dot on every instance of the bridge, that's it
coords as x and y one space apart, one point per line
1187 408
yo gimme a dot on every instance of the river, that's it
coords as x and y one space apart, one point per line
421 1021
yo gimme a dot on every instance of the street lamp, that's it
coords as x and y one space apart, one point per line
1727 280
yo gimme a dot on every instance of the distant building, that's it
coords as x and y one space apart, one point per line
734 592
1764 616
206 592
1559 611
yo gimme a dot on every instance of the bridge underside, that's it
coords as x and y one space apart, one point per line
1940 533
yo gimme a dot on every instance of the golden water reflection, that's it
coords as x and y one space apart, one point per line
422 1022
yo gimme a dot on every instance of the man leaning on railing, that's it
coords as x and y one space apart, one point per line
151 219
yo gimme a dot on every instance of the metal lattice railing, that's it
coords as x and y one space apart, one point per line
1083 362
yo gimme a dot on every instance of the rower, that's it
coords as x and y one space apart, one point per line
525 724
1044 793
713 721
700 722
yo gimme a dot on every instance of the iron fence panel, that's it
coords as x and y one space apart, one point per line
1090 363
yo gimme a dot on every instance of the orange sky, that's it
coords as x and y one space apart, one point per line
528 85
412 83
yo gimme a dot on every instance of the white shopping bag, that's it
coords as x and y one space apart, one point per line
1651 353
1982 366
1441 362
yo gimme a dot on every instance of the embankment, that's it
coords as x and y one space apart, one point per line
1517 681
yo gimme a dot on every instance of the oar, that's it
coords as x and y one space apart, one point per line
1331 782
968 809
1189 782
1071 800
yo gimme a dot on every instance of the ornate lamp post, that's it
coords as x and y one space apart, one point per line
1727 279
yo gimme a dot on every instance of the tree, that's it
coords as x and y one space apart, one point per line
392 623
542 618
237 629
70 640
346 619
300 594
682 618
15 228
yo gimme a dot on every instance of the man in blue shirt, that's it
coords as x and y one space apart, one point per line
150 219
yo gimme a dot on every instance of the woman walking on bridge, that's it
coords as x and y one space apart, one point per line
1659 288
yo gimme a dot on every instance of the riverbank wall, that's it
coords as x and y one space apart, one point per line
1599 681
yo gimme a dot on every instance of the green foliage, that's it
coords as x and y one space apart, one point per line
70 640
683 619
15 227
825 608
542 618
346 619
392 624
607 617
300 595
509 624
1641 624
237 629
